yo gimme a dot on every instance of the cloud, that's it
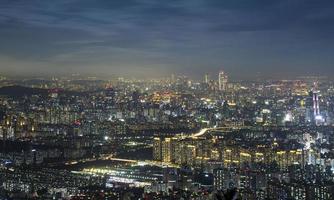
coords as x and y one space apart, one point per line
172 36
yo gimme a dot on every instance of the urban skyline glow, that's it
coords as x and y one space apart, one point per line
145 38
178 99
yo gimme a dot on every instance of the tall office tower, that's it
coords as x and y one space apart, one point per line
173 79
318 118
206 78
316 110
222 81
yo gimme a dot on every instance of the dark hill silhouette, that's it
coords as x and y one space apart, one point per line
19 91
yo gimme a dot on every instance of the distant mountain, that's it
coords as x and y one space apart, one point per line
19 91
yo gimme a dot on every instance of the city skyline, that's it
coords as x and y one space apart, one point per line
143 38
179 99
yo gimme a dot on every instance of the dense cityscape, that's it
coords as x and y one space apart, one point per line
166 100
80 138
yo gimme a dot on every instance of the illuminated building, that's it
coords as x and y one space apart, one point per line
299 190
222 81
157 150
316 110
245 158
224 178
288 158
166 150
206 78
218 178
318 118
189 154
173 149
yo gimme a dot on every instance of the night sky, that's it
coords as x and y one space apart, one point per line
155 38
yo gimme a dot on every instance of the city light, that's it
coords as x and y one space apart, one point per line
152 100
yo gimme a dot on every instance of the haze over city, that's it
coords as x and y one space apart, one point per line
167 100
147 38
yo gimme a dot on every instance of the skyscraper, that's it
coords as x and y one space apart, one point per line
316 110
206 78
222 81
318 118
